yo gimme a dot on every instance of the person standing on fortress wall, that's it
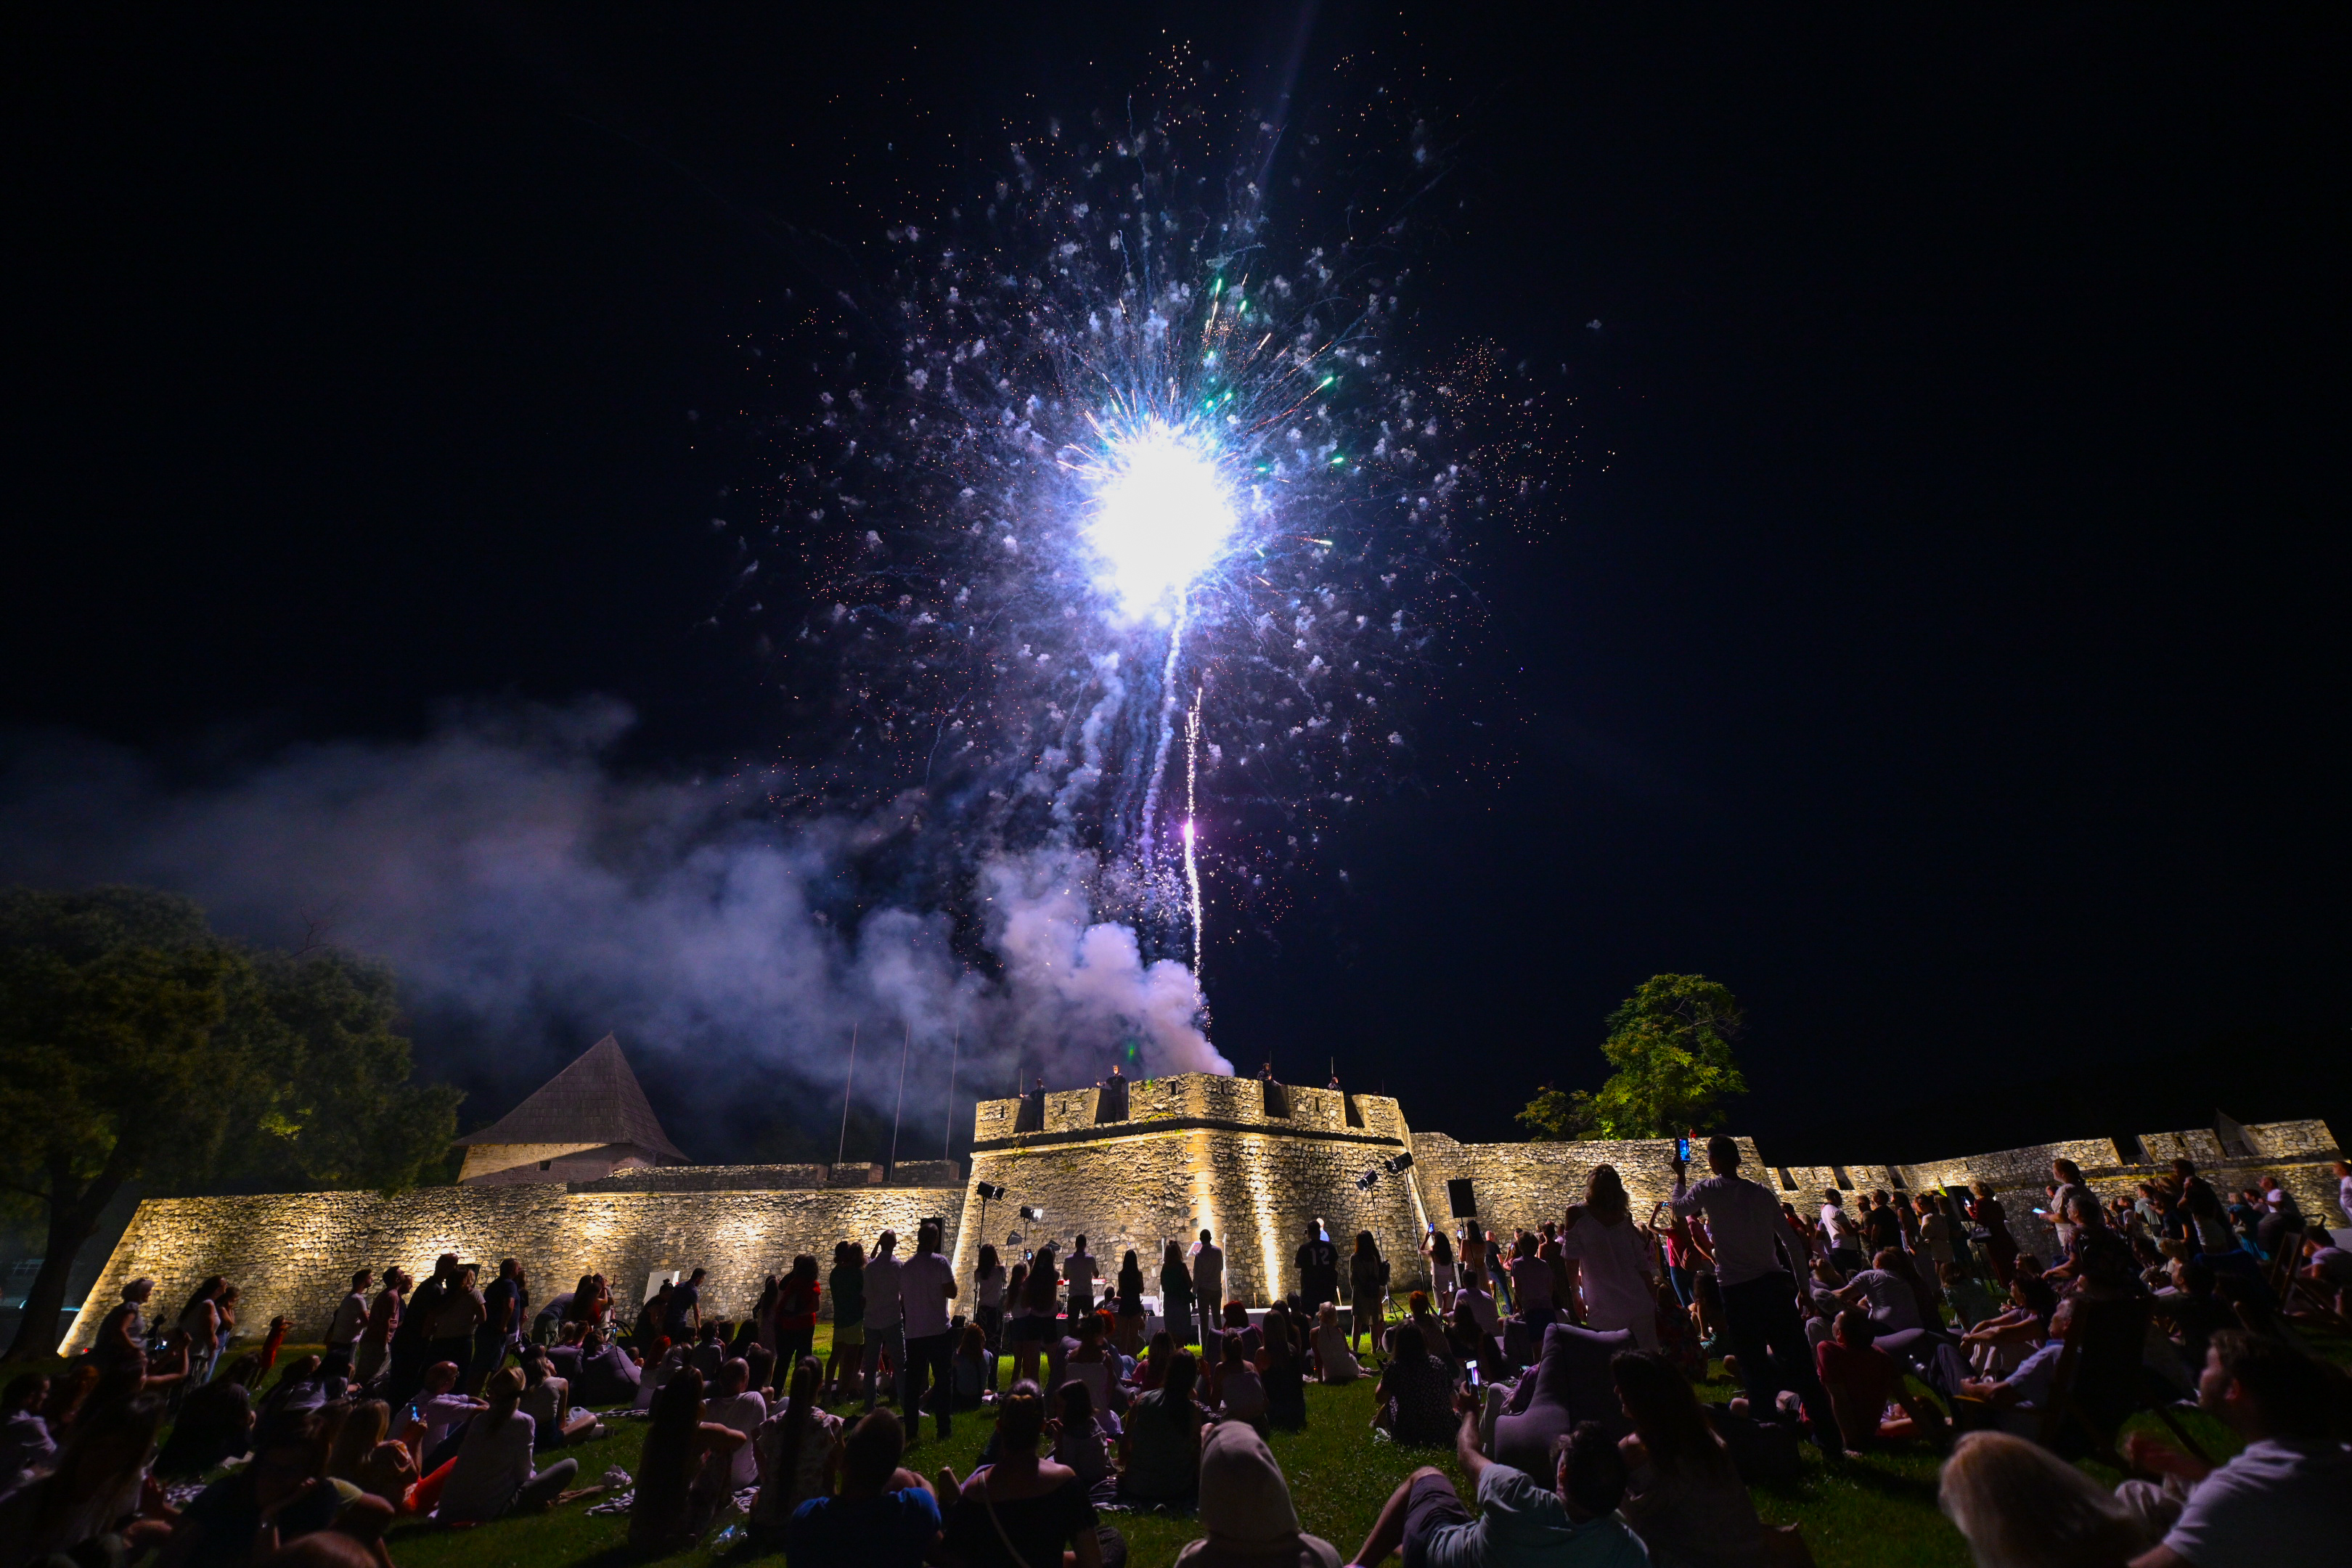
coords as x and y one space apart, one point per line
343 1330
1079 1271
1758 1294
1318 1267
926 1285
885 1317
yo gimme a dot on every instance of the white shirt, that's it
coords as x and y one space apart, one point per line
1836 1228
740 1413
440 1412
990 1287
2276 1504
923 1281
1745 1220
546 1403
1078 1273
882 1293
1615 1265
349 1319
491 1467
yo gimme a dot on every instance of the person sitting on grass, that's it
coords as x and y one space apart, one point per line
1413 1403
26 1442
433 1417
1334 1362
885 1517
1246 1516
682 1476
1282 1369
1863 1380
974 1373
608 1374
1571 1524
2285 1500
733 1404
1159 1461
1023 1509
1883 1291
365 1426
98 1489
494 1475
1684 1496
215 1421
1079 1440
243 1517
797 1449
1240 1393
2017 1505
547 1400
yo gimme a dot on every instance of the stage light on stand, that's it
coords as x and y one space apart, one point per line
1033 1216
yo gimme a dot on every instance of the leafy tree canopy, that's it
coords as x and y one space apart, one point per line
1670 1043
137 1045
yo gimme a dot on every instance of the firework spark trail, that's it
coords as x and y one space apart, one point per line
1115 401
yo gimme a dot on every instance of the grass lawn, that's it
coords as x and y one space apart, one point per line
1878 1511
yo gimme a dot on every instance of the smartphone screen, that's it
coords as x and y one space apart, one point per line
1474 1374
1681 1149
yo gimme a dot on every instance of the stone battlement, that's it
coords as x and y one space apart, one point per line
1129 1165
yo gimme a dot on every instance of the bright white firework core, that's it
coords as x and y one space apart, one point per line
1162 514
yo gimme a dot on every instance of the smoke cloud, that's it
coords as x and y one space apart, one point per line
532 898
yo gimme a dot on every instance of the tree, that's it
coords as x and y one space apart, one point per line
137 1045
1671 1044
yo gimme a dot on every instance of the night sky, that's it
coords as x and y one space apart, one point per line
1938 636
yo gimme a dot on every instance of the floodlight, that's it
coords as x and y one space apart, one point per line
989 1191
1033 1215
1400 1164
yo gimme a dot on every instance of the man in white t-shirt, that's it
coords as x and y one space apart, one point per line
883 1316
735 1404
2284 1502
926 1285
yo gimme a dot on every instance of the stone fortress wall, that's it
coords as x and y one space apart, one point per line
1128 1168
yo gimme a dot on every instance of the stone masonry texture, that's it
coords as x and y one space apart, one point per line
1194 1151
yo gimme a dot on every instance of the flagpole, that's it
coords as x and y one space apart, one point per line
889 1170
851 1077
955 1044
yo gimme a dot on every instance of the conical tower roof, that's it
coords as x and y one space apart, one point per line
595 1100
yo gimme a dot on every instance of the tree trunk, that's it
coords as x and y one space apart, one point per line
72 1216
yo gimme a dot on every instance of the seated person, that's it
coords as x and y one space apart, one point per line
1414 1397
734 1405
974 1373
547 1400
885 1517
798 1449
1863 1380
1972 1303
25 1439
1334 1362
1159 1460
2192 1308
284 1493
608 1374
1079 1440
1570 1524
437 1413
2015 1403
493 1475
2326 1265
1570 1384
1683 1495
1244 1395
2287 1496
1246 1514
1022 1509
1883 1291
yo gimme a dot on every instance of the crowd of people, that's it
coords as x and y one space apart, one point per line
1560 1364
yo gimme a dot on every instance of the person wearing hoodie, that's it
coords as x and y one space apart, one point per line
1245 1509
1521 1524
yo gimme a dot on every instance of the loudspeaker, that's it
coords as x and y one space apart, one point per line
1461 1199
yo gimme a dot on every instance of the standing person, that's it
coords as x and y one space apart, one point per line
926 1285
1439 1250
382 1319
988 1297
343 1330
885 1317
1176 1289
2000 1247
848 1283
1208 1281
462 1311
1318 1267
1759 1300
200 1319
411 1344
1037 1325
1079 1272
1367 1291
793 1317
683 1316
1937 1235
124 1330
1129 1319
503 1307
1838 1234
1617 1261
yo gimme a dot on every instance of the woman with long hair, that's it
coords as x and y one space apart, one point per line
676 1494
988 1297
2000 1247
1444 1276
798 1450
1414 1401
1129 1322
1368 1292
1023 1509
1176 1293
1617 1260
200 1319
1159 1455
1283 1371
763 1313
2018 1504
369 1423
1683 1496
1079 1440
1040 1302
215 1421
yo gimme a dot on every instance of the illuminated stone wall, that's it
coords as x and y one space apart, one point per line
1192 1151
292 1254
